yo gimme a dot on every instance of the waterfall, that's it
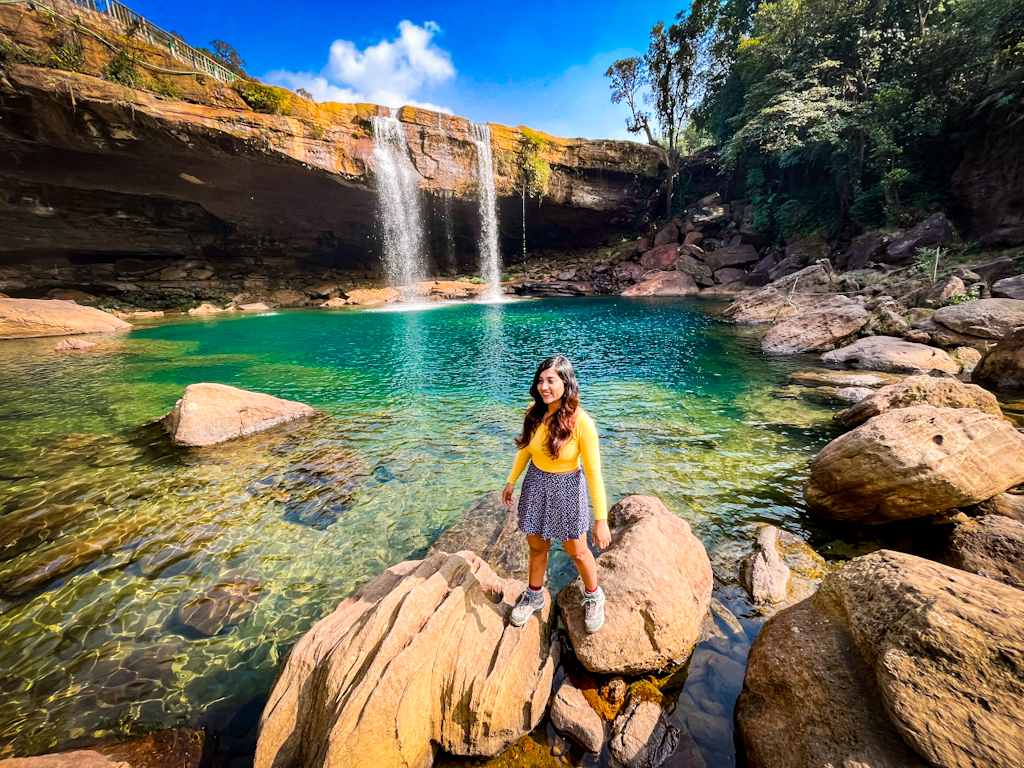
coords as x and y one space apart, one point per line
490 258
405 262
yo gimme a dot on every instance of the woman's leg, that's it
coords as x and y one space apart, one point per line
538 559
580 553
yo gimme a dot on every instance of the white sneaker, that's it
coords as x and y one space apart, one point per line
528 602
593 610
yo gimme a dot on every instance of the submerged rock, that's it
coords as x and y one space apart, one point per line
991 546
654 606
765 577
940 391
914 462
30 318
491 530
643 737
421 658
871 379
173 748
884 353
68 344
816 330
212 413
896 662
222 605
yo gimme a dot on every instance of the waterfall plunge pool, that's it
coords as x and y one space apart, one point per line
118 530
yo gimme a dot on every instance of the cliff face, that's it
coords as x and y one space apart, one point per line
88 166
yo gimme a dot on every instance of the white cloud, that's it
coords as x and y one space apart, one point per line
388 73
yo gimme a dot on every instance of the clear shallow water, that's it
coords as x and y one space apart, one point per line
116 530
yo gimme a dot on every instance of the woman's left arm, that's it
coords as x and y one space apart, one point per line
590 450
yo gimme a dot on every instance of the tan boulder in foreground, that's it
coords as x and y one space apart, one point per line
212 413
655 604
896 662
421 658
940 391
913 462
884 353
31 318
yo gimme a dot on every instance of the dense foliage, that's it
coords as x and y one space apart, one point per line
856 112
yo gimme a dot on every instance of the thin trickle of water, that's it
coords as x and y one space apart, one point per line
490 257
449 233
405 258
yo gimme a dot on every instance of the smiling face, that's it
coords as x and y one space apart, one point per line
550 386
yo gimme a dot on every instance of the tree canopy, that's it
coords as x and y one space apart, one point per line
854 112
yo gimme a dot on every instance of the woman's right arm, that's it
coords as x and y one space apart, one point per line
517 469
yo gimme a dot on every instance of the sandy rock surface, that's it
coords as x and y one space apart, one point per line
672 283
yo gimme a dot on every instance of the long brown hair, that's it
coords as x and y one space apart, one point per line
564 419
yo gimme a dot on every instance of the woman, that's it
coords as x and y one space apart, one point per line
553 502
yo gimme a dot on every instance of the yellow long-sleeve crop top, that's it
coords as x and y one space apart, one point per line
582 443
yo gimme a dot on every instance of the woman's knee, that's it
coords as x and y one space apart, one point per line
578 552
538 545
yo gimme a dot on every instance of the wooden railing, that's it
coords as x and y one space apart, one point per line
150 32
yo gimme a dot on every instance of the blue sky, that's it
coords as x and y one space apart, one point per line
537 64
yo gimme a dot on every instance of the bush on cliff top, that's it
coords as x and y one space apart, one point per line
262 98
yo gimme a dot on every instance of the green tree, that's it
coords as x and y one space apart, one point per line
229 57
672 79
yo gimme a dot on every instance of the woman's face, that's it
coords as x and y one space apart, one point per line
550 386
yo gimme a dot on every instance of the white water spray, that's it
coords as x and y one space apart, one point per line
490 257
405 262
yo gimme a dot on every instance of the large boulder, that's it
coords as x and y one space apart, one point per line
672 283
212 413
987 318
1003 365
731 256
421 658
654 605
896 662
940 391
785 298
667 233
661 257
31 318
1009 288
800 254
914 462
932 232
990 546
884 353
1009 504
817 330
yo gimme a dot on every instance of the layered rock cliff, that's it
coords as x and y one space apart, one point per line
91 167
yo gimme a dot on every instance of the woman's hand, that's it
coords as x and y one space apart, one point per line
602 536
506 495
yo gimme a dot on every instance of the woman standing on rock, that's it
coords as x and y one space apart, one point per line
557 433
